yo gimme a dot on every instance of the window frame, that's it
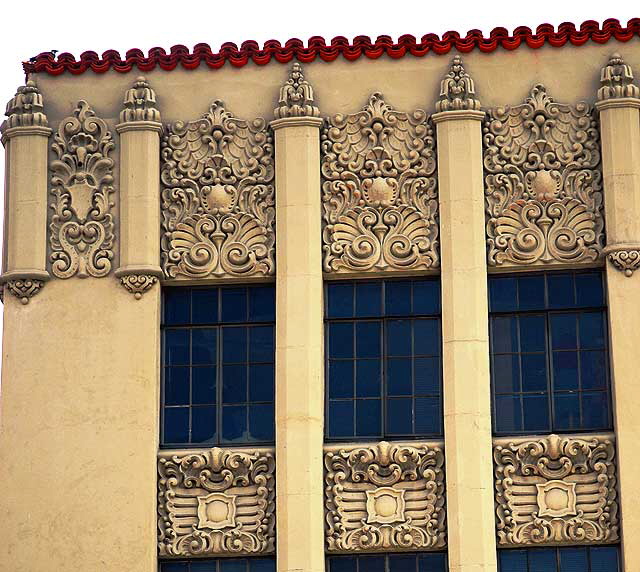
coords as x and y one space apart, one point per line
557 553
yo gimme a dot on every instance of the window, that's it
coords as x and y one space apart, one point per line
221 565
383 359
218 365
426 562
549 358
569 559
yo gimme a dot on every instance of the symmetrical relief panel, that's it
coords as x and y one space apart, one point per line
379 191
543 183
216 502
385 497
81 235
556 489
217 197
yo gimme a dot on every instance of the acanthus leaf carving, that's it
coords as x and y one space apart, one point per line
543 183
379 191
216 502
616 80
218 197
82 226
140 103
296 96
556 489
457 90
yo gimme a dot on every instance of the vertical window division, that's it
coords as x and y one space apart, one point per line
549 353
221 565
565 559
425 562
383 359
218 365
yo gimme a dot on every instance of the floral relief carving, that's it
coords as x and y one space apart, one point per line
543 183
379 190
385 497
216 502
218 197
556 489
82 226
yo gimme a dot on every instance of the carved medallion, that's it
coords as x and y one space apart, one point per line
556 490
385 497
81 229
379 191
543 184
216 502
218 197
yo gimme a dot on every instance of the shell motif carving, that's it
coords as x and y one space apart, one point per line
218 197
556 490
385 497
379 190
543 183
82 226
216 502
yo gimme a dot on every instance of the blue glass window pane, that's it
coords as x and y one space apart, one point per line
426 337
368 378
399 416
398 298
591 330
341 419
402 563
261 423
531 295
203 385
536 412
604 559
399 376
561 290
427 375
573 560
340 379
261 344
343 564
176 347
532 333
203 346
203 424
371 564
567 411
595 412
205 305
262 304
589 289
369 299
234 345
261 382
503 294
341 340
232 565
563 331
368 417
174 567
368 339
176 425
234 423
508 415
542 560
234 304
565 370
399 337
206 566
177 306
505 334
234 383
436 562
427 415
340 304
176 385
262 565
534 372
593 369
426 297
506 373
513 561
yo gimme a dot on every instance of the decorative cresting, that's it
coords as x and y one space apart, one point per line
457 90
82 226
556 489
218 197
385 497
26 108
216 502
140 103
296 97
379 190
543 183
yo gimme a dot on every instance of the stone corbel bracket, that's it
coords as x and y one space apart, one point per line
24 284
216 502
385 497
625 257
556 490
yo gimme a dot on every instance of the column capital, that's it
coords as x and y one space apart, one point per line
296 96
618 103
296 122
153 126
458 115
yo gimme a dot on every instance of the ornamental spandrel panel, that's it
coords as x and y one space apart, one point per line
543 183
216 502
385 497
556 490
217 203
379 191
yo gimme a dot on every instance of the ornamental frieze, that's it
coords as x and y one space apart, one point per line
379 191
385 496
216 502
217 197
543 183
556 489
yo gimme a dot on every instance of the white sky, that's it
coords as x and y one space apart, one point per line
33 26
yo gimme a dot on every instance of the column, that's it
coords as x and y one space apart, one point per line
25 136
299 331
139 130
465 330
619 107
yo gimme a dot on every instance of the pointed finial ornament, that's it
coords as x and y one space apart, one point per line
296 96
140 103
616 80
457 90
26 108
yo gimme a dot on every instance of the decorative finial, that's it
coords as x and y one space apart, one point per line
457 90
26 108
616 80
296 96
140 103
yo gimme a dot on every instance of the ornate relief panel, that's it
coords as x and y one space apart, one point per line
556 490
379 191
218 197
385 497
82 226
217 501
543 184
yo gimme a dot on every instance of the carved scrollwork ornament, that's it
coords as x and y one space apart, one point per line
385 497
296 96
81 234
555 490
140 103
626 260
216 502
138 284
218 205
25 288
543 183
617 81
379 190
457 90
